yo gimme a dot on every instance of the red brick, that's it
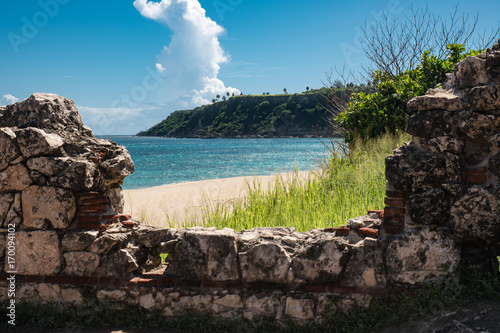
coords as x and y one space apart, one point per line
90 194
89 219
341 231
92 208
396 218
393 211
392 228
129 224
395 202
379 212
395 194
95 201
476 170
473 161
476 179
368 232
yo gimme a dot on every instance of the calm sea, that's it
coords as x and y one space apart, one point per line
160 161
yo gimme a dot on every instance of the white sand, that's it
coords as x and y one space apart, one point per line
186 201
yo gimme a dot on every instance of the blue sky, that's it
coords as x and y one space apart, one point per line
128 66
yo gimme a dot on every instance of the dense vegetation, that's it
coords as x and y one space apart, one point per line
370 115
282 115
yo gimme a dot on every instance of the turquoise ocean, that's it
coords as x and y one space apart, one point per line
161 161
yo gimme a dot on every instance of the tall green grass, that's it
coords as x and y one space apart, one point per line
347 186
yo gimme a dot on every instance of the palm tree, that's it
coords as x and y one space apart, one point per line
307 88
218 96
285 91
228 94
213 100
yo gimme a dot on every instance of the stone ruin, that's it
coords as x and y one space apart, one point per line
60 189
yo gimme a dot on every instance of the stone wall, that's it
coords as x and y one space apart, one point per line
61 202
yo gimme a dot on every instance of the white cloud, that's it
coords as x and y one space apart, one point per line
160 68
9 99
191 62
111 120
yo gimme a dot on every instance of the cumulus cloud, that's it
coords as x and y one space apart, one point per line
9 99
191 62
109 120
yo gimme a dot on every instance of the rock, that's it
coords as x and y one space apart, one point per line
204 254
232 301
48 205
475 215
429 124
65 172
437 99
419 255
413 170
448 144
151 236
476 126
78 240
50 112
429 208
366 265
265 261
72 296
8 147
494 165
299 308
15 178
37 253
10 209
469 72
113 295
35 142
80 263
259 306
49 293
321 259
484 98
118 264
106 242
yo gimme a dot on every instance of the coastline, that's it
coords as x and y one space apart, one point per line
186 202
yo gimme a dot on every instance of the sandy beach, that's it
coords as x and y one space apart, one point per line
186 201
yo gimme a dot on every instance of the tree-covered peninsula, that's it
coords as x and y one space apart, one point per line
271 116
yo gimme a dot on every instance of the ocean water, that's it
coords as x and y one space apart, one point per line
161 161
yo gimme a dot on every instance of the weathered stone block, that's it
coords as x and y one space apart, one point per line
15 178
65 172
106 242
44 205
299 308
475 215
118 264
413 170
469 72
10 209
80 263
437 99
71 296
430 124
35 142
475 126
49 292
78 240
429 208
38 253
205 254
484 98
262 306
320 260
151 236
8 147
265 261
419 255
232 301
366 265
